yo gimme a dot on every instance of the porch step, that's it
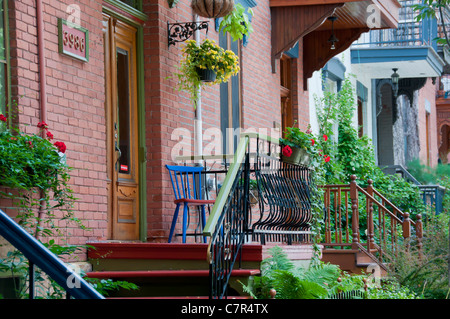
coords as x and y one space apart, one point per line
351 260
184 297
166 273
167 270
161 256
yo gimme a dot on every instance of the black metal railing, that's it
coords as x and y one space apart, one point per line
285 204
40 256
282 211
228 224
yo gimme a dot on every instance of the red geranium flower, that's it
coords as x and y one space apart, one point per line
312 141
61 146
49 135
30 143
287 151
325 137
3 118
327 158
42 125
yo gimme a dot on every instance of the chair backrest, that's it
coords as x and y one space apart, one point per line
186 181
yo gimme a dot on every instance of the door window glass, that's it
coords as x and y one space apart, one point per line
123 110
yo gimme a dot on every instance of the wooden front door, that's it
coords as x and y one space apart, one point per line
122 129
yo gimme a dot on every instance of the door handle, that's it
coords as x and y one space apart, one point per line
117 149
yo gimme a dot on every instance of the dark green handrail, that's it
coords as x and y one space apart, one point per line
41 256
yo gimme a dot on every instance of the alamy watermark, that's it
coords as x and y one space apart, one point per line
74 14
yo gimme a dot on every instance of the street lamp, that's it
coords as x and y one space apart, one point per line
394 79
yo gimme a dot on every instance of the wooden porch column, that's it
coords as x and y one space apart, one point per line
406 229
355 215
370 229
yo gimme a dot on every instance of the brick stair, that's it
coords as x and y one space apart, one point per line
166 271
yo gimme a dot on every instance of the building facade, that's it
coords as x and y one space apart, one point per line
101 75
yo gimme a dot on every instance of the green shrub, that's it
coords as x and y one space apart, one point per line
391 290
354 155
425 272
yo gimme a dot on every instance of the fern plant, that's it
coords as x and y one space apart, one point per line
318 281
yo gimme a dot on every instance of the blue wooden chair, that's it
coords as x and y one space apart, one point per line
187 187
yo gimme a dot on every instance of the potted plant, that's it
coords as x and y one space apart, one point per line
237 22
202 64
298 147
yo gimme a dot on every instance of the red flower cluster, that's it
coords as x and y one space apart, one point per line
59 145
287 151
42 125
2 118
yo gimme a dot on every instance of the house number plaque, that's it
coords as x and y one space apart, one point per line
73 40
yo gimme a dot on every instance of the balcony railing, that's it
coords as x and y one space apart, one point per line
409 33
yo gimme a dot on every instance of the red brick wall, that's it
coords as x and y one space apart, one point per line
260 87
167 110
76 97
75 102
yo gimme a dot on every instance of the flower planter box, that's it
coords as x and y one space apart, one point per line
299 156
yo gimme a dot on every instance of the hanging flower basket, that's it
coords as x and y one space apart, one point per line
212 8
206 75
197 58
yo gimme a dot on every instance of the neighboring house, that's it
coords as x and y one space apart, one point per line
443 118
402 124
115 104
403 119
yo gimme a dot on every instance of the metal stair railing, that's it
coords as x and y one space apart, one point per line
282 209
42 257
227 225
